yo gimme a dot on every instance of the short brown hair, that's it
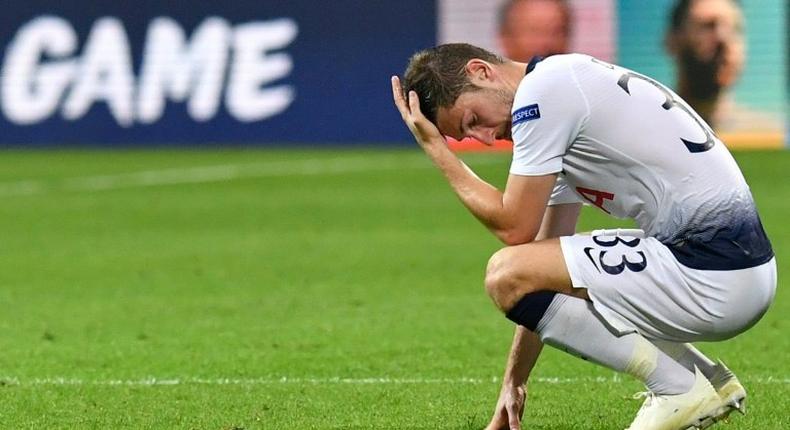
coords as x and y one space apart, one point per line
438 75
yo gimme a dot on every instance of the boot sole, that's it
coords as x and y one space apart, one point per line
721 414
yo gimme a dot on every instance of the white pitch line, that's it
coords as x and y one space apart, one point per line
219 173
151 381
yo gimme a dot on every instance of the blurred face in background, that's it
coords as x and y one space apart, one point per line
534 27
709 46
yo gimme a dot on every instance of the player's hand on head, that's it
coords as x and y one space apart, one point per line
423 130
509 409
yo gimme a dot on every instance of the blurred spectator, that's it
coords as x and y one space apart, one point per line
706 40
534 27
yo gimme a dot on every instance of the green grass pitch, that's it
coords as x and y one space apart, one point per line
304 289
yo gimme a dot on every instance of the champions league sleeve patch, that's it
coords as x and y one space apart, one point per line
527 113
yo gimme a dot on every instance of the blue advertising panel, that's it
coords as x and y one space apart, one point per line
191 73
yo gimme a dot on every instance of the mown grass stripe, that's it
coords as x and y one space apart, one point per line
152 381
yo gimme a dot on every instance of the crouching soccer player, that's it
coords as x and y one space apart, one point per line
700 269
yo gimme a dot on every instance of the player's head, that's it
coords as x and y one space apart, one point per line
529 28
706 39
462 90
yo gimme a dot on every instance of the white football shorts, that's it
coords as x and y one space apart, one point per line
636 284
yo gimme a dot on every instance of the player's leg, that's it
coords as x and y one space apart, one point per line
516 271
570 324
677 398
737 308
687 355
518 279
522 279
636 283
726 384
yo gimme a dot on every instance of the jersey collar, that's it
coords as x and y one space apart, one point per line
534 62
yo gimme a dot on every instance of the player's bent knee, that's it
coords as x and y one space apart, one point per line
505 282
496 280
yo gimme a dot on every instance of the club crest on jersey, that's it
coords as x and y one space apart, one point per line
527 113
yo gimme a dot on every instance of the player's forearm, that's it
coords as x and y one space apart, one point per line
524 354
482 199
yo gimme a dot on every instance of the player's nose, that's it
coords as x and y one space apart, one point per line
487 136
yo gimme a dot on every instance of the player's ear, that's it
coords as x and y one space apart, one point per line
479 71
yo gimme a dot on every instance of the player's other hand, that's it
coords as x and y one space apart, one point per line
509 409
423 130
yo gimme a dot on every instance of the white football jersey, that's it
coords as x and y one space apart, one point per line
630 146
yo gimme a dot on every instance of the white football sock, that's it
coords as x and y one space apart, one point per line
571 325
687 355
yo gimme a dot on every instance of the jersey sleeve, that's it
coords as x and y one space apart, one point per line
548 112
